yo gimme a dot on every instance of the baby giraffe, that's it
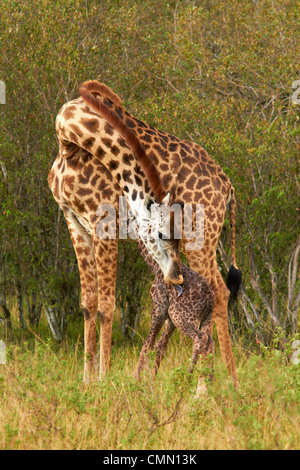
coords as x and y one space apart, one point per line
185 307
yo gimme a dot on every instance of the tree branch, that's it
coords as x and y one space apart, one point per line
255 284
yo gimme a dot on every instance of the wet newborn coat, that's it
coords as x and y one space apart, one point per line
186 311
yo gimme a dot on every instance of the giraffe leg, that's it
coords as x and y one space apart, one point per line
202 346
208 350
205 327
220 318
209 268
162 343
106 252
83 246
200 341
156 325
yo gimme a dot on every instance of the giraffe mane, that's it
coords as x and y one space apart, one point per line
86 90
94 86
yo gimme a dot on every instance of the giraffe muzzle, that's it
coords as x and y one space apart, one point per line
174 280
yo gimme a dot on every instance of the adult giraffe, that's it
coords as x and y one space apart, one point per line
105 152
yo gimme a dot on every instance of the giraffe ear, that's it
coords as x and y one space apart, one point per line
166 199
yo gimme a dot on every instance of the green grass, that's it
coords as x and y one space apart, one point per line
45 405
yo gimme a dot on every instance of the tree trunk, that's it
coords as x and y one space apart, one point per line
52 322
6 313
293 296
22 321
34 309
50 315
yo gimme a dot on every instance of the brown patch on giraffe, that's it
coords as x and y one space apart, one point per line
187 196
84 192
146 138
77 130
138 180
115 150
153 157
92 125
196 153
94 180
85 178
92 205
166 180
163 154
68 113
207 191
184 172
73 137
191 182
113 165
127 159
137 170
130 123
126 175
69 181
173 146
107 142
216 200
164 167
202 182
79 206
108 129
88 143
216 183
100 152
122 142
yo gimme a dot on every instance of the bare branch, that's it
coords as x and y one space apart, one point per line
3 168
255 284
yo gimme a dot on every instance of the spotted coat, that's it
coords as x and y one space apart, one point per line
190 312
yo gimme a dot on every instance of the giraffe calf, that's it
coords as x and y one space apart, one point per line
190 311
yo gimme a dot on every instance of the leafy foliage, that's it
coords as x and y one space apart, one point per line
219 73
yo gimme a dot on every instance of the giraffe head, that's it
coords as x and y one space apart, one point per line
154 221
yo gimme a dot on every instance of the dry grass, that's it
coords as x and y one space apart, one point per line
45 405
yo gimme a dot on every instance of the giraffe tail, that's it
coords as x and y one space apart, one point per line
234 276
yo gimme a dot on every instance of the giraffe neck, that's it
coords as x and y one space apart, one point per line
100 132
148 258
